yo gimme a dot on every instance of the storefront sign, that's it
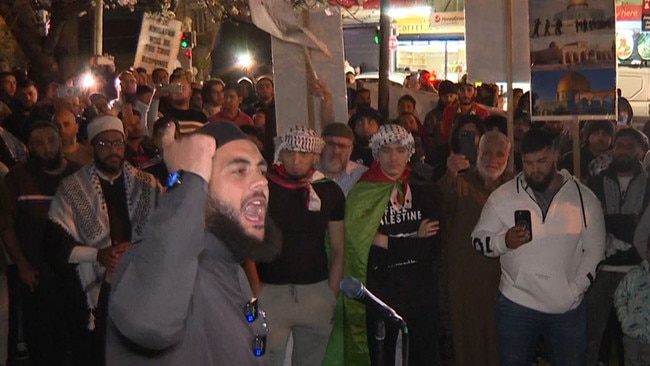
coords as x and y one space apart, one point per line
376 4
437 23
627 12
645 16
159 43
447 19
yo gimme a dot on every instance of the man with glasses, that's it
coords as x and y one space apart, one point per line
98 212
335 161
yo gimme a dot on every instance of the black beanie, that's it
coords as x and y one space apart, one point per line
223 132
337 130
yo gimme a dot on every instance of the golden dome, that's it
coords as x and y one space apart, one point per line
573 82
573 3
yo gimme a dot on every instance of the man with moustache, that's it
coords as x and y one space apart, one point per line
299 287
473 327
544 276
624 191
33 280
97 213
181 296
335 160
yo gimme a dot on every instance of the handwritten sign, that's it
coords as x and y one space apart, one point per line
158 44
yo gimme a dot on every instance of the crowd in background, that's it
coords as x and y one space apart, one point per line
83 168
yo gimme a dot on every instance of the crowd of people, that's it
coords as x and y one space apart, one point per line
169 224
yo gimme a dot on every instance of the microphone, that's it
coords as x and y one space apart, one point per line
353 289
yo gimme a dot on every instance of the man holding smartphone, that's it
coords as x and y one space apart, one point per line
545 269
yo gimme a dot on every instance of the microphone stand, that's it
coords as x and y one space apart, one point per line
380 335
405 345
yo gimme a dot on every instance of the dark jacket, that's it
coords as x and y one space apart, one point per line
178 297
622 213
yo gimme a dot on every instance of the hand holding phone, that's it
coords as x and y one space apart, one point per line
522 232
468 146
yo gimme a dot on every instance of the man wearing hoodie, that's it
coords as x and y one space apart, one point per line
547 261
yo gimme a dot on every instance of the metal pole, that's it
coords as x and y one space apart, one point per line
98 33
575 134
510 60
384 59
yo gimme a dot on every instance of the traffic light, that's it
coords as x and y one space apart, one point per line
188 53
187 40
377 35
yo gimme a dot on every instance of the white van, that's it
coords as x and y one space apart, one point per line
634 83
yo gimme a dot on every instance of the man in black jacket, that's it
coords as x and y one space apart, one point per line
623 190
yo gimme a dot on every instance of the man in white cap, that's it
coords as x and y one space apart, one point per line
392 245
299 288
98 212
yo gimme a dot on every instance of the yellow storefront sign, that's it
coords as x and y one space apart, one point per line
435 23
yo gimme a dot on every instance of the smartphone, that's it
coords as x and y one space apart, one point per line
468 146
172 88
67 91
522 218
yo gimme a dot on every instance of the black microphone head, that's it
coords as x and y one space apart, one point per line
351 287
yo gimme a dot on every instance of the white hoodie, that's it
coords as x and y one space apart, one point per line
552 272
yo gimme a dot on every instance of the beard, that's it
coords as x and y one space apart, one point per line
109 168
623 164
221 220
333 165
542 184
51 163
484 172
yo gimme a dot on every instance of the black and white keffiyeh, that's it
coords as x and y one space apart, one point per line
388 134
298 138
80 209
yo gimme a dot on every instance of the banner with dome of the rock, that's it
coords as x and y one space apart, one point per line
573 59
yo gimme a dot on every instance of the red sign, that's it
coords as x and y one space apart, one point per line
628 12
375 4
392 43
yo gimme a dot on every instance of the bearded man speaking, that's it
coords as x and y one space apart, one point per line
181 296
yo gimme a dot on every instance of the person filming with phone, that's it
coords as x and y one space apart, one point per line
465 137
548 231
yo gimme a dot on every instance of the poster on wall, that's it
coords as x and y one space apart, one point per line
573 58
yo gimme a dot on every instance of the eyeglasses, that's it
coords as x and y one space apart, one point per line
251 313
107 144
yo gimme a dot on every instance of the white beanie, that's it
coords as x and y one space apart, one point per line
104 123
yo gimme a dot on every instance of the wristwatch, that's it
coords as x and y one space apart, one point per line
174 179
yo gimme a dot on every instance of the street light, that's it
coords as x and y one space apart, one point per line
244 60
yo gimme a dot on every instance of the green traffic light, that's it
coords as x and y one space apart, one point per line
184 44
376 39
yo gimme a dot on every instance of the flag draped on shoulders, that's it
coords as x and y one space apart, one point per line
364 210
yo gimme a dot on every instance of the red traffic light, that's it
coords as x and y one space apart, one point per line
188 53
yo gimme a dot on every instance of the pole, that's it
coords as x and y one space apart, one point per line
384 58
380 336
510 60
98 47
575 135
